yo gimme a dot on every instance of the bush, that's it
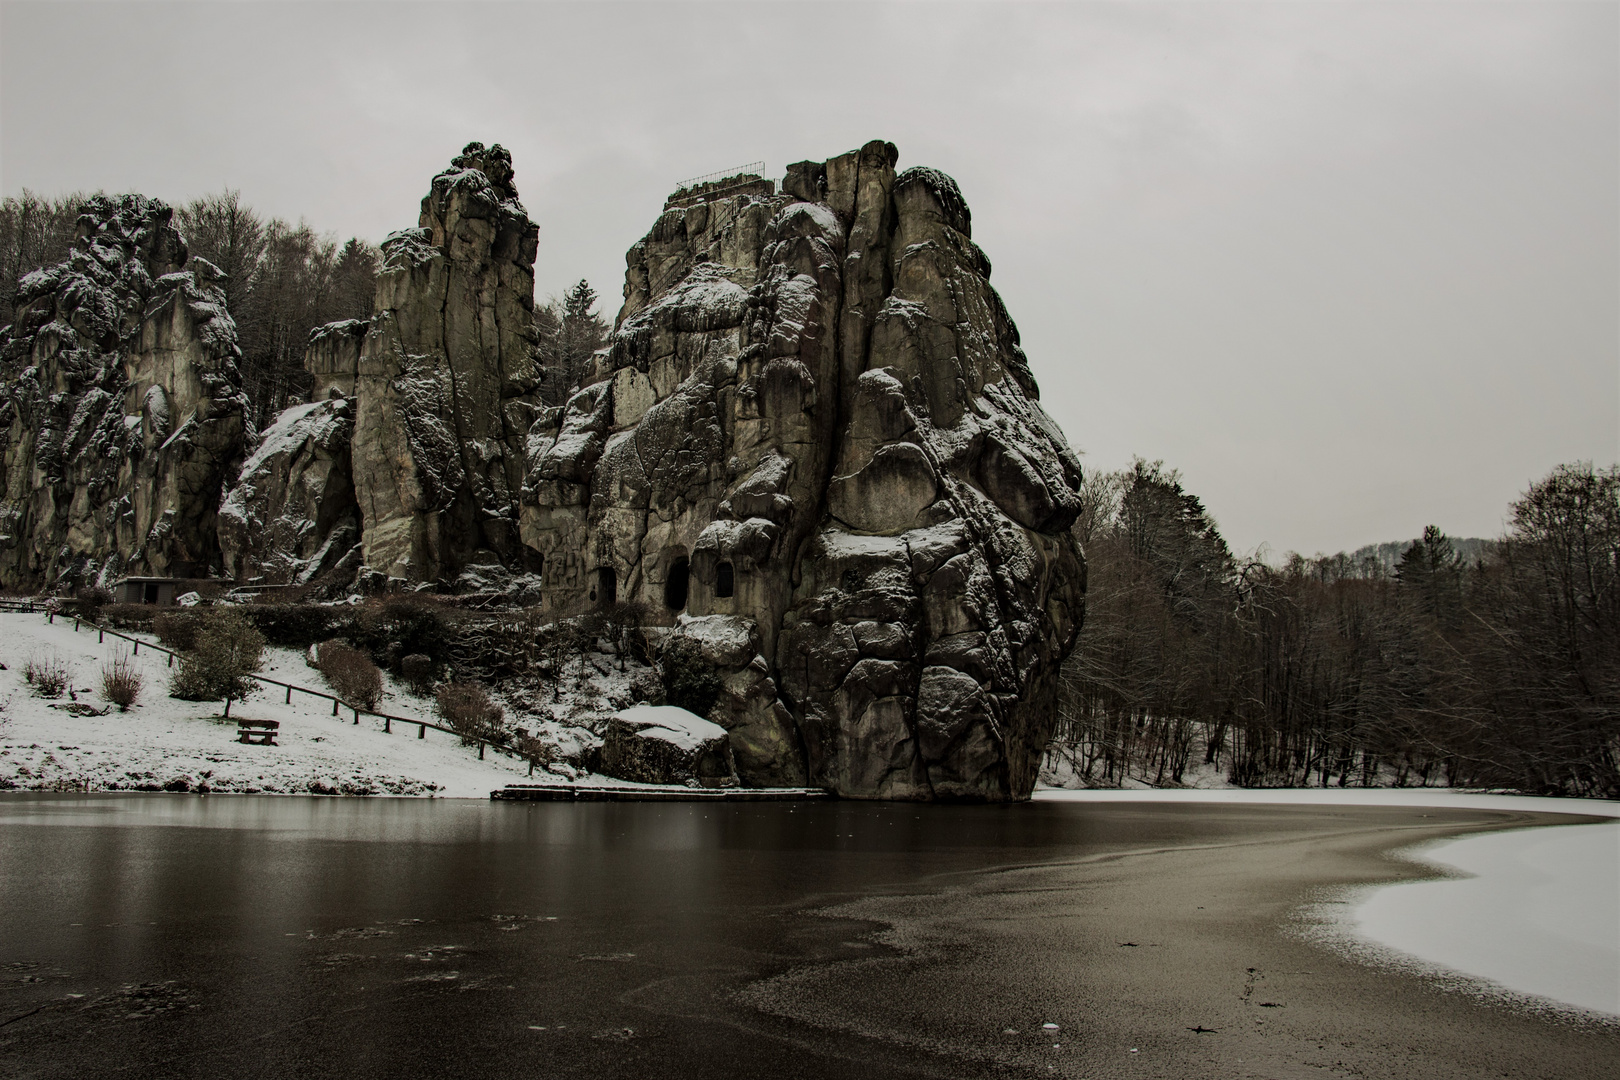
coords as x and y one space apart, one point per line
295 626
87 603
469 711
121 681
535 749
405 624
128 616
178 629
417 670
350 672
226 651
48 674
690 681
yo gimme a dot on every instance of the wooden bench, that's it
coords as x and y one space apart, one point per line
259 732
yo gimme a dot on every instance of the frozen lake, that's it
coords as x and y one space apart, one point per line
1536 911
263 936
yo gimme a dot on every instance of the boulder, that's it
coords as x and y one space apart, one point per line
664 744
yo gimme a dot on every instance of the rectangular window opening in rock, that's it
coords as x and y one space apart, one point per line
725 581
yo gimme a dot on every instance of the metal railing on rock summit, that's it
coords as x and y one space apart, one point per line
753 168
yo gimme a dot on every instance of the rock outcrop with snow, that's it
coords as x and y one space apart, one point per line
445 377
813 448
121 408
292 515
664 744
815 434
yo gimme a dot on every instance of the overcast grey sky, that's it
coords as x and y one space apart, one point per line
1352 268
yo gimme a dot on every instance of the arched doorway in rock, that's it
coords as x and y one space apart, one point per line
725 580
675 583
605 589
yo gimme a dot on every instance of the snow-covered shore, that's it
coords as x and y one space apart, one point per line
163 743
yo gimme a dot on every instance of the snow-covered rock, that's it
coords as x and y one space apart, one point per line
664 744
292 515
814 444
121 406
445 378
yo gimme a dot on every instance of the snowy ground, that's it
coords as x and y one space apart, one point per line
163 743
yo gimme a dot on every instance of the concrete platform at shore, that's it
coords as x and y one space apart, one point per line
650 793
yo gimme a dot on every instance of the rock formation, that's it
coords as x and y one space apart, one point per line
815 443
444 378
408 459
292 515
122 406
662 744
813 449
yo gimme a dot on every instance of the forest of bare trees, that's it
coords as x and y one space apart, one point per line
281 282
1501 670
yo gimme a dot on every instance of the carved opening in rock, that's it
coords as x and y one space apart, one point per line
725 581
605 592
675 584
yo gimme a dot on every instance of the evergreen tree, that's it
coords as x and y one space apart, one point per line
570 333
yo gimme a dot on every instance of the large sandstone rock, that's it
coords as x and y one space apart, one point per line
815 445
292 516
444 376
122 406
663 744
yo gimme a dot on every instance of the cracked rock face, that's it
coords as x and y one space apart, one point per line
292 515
815 444
444 377
122 406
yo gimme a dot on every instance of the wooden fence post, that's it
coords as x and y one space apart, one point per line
480 750
421 731
334 706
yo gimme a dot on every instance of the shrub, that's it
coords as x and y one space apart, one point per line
350 672
48 674
87 603
468 710
404 624
178 629
128 616
417 671
295 626
225 652
690 681
536 749
121 681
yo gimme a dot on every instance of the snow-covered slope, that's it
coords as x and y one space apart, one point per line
163 743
